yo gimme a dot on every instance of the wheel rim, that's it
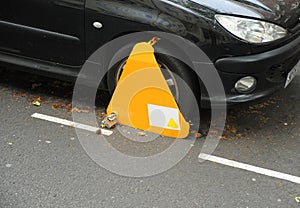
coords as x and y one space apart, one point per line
167 73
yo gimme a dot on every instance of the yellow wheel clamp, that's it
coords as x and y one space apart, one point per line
142 98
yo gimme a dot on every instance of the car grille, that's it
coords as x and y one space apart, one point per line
278 72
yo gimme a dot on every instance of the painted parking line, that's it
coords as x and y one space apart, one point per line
70 123
243 166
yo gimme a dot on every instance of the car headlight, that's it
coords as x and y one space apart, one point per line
253 31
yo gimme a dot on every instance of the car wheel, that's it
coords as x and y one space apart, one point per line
175 73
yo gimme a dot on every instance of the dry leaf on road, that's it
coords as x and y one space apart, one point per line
77 110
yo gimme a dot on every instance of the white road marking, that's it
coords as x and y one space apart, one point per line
243 166
71 123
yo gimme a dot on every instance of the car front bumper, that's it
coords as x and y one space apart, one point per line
269 68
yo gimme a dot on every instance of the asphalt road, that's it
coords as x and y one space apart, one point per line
42 164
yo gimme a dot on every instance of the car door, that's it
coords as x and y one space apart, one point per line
48 30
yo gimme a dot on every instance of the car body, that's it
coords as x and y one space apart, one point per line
56 37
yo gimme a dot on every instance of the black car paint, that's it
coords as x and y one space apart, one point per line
197 26
51 30
57 36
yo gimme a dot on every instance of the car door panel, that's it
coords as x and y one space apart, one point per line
49 30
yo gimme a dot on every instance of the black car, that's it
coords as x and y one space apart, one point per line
254 44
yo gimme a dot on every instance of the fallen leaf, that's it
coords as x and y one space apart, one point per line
39 99
36 103
223 138
59 84
77 110
141 133
99 131
55 106
239 135
233 130
68 106
198 135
